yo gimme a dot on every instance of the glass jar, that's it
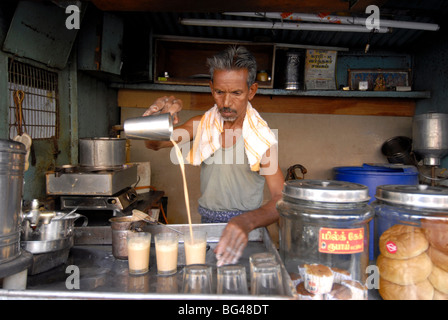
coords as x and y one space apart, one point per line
411 241
408 205
325 222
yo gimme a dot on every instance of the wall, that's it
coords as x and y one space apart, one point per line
97 107
431 60
318 142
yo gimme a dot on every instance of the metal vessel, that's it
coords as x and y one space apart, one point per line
12 165
102 153
155 127
430 137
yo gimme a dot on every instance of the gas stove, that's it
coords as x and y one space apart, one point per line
88 188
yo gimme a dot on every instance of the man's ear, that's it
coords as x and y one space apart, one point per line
253 90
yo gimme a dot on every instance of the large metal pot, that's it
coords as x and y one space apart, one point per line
54 231
102 153
12 167
430 137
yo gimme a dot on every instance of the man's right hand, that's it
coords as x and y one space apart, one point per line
165 105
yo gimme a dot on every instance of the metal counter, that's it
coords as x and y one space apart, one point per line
101 276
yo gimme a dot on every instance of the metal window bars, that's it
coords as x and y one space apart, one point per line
34 101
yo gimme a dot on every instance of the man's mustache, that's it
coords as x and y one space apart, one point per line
226 110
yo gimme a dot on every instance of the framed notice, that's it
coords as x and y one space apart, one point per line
320 66
378 79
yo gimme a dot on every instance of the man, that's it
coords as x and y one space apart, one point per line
231 185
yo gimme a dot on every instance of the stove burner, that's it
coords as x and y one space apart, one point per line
119 201
90 181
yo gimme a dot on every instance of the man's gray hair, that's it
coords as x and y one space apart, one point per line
234 58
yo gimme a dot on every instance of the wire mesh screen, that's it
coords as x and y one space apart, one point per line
33 100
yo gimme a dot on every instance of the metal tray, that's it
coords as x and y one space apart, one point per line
104 277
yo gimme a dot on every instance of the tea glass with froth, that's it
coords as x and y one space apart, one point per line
166 245
139 244
195 245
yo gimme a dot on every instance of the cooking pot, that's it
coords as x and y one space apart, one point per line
12 166
54 231
102 153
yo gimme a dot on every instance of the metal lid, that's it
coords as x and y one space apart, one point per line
326 191
422 196
12 146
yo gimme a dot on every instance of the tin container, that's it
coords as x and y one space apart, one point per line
327 223
411 237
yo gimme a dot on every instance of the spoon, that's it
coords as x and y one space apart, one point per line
140 215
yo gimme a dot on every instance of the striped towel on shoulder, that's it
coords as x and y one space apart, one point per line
258 137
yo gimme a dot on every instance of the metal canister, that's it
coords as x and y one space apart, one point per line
430 137
292 71
12 167
327 223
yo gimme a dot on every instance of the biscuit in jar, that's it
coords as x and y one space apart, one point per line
403 242
406 271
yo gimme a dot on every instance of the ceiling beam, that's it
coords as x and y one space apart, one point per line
306 6
361 5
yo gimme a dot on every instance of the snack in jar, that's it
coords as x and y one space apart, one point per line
325 222
411 238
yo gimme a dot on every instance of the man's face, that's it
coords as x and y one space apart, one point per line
231 93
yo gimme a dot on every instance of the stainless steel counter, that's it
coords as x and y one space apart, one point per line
101 276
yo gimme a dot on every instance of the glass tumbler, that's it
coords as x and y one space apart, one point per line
195 246
260 257
166 252
231 279
197 279
266 279
139 244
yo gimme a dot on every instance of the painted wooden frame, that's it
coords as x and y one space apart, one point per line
392 77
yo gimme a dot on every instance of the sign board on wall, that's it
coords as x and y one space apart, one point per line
320 66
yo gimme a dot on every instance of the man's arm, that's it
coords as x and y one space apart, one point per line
236 234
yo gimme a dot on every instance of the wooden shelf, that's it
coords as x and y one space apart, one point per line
282 92
184 60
